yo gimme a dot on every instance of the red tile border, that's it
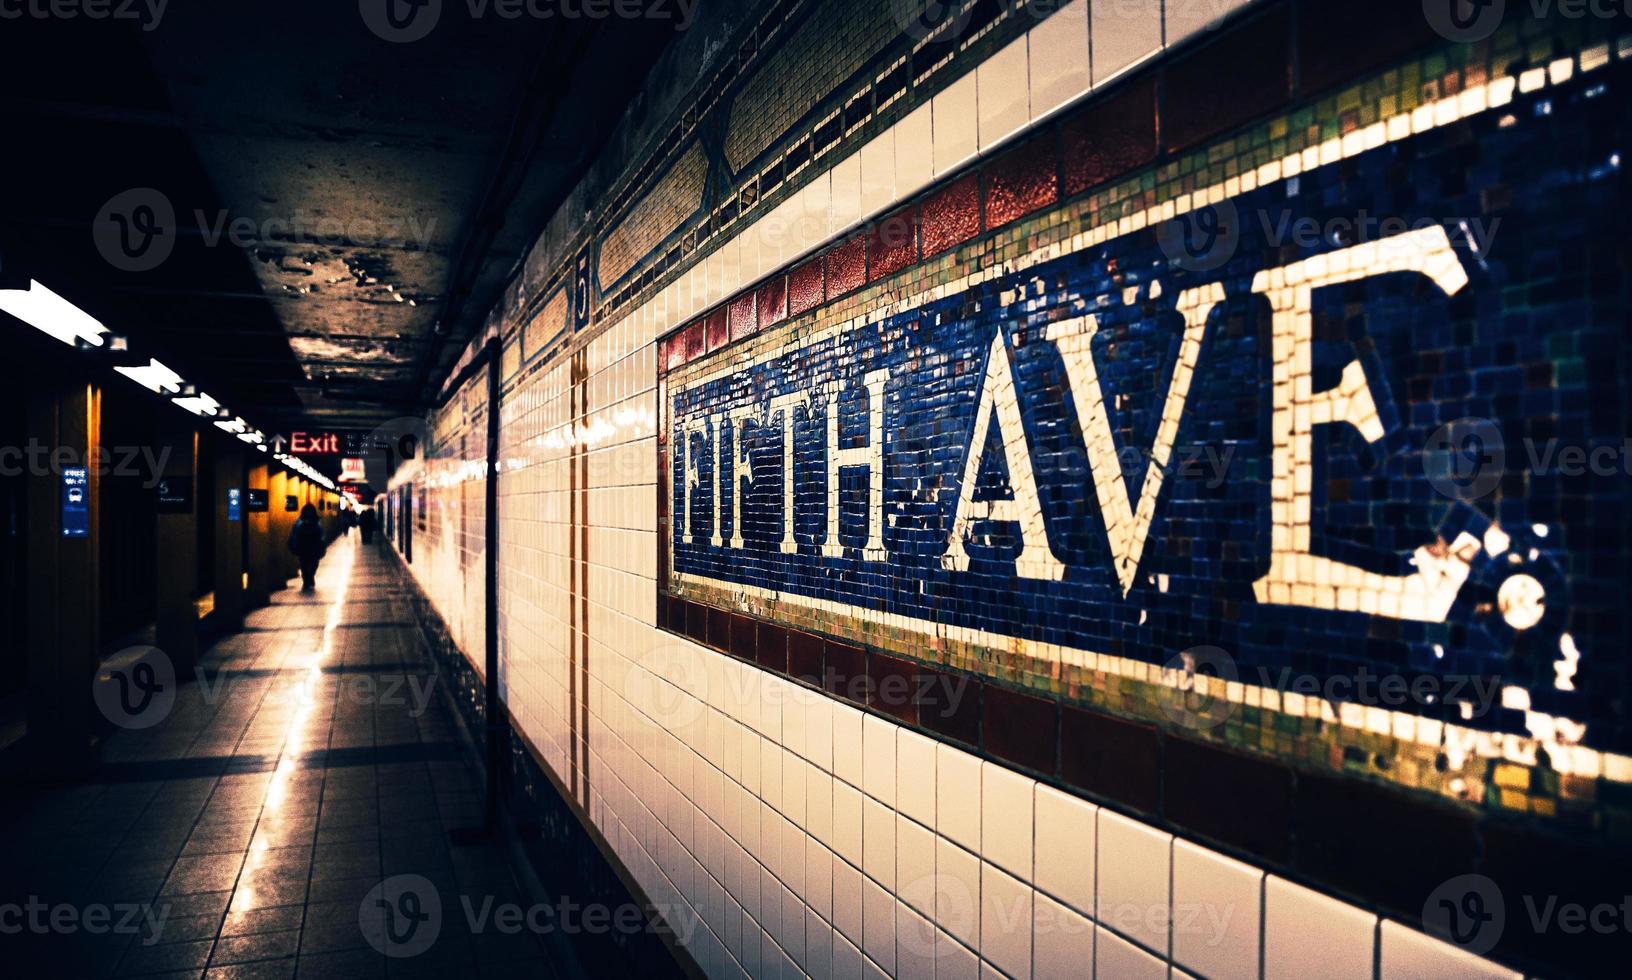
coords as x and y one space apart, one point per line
1022 180
805 287
744 316
951 215
893 245
847 267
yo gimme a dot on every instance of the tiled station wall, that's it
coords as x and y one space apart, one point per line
789 826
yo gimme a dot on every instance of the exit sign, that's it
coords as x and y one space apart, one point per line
314 443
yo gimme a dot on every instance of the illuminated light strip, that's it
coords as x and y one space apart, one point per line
52 315
1566 758
155 377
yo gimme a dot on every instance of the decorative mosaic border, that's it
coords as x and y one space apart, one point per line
1495 770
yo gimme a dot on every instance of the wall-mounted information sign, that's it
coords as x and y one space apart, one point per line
256 497
291 503
176 495
76 509
235 504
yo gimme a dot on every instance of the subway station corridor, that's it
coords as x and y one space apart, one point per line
806 489
311 758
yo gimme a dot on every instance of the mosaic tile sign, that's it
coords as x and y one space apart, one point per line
1353 431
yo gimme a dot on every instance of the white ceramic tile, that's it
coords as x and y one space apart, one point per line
1062 941
847 900
1123 33
914 151
819 937
914 945
878 173
957 892
915 776
847 744
1117 959
846 192
1187 17
1408 954
1059 58
915 865
847 819
818 892
1005 818
878 739
1133 879
956 136
1005 921
957 796
1309 934
1065 847
1216 913
953 960
878 842
846 957
819 730
1004 95
819 804
878 925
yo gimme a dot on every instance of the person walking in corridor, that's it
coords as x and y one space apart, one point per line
368 522
306 543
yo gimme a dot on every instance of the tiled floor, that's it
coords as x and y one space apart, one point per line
242 834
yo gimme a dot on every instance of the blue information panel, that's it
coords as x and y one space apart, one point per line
76 508
235 504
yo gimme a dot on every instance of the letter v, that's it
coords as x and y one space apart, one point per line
1126 527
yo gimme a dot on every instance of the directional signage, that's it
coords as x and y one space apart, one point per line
256 500
175 495
76 509
235 504
291 503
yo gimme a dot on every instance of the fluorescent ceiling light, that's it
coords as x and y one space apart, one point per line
49 313
232 425
155 377
200 404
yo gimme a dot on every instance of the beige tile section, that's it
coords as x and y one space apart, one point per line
1216 913
1059 58
1123 33
1004 93
1065 847
1408 954
956 136
1133 879
914 151
1308 934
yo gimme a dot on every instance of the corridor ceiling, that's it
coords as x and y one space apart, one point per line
345 208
